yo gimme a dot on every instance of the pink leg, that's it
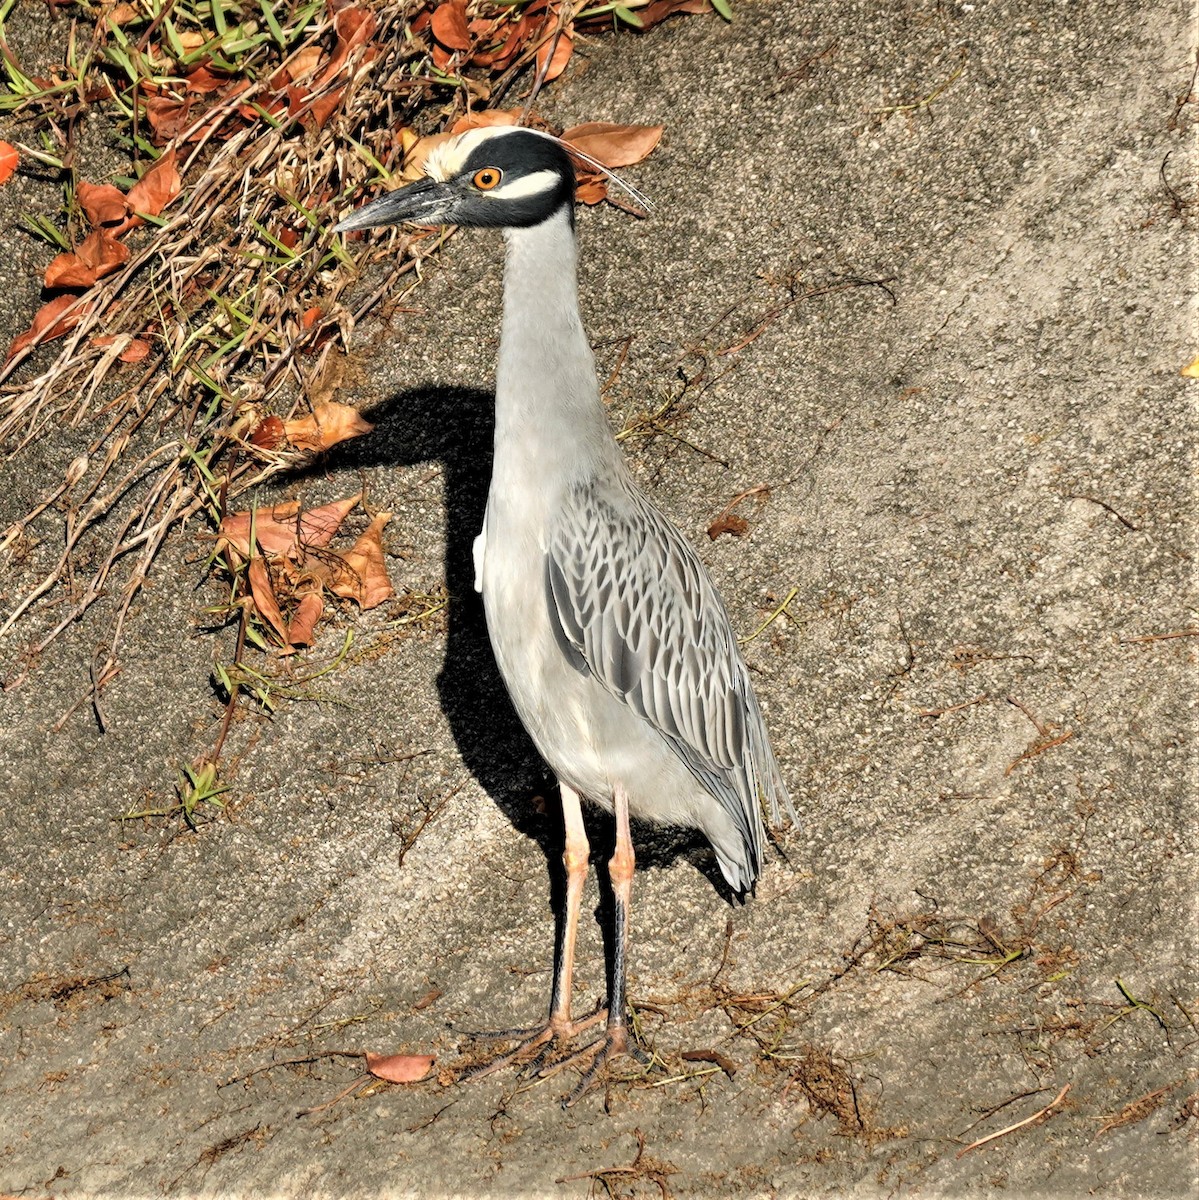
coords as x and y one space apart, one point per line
575 858
534 1044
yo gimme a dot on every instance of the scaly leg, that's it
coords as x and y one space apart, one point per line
616 1040
559 1027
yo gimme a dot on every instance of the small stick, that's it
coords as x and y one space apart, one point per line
1041 729
1104 504
1039 748
1018 1125
1158 637
778 612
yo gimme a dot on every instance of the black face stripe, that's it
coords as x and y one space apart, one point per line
518 153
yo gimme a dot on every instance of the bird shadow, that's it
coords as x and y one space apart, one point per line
454 427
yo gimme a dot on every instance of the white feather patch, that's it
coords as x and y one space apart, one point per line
446 162
535 184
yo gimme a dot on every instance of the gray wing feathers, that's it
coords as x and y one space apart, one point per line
636 608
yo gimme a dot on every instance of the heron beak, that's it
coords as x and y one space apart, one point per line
426 202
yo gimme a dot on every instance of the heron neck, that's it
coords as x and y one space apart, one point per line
549 417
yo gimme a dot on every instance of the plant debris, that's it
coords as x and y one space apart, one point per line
200 300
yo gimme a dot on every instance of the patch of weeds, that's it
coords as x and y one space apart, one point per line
198 789
200 295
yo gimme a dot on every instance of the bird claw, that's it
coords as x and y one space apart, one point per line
615 1044
539 1038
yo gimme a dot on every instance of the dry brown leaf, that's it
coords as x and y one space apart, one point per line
304 62
614 145
353 27
561 50
400 1068
268 433
325 426
449 25
135 350
102 203
1191 370
49 323
154 190
361 575
659 10
591 188
274 529
204 80
122 14
318 525
282 529
728 522
8 161
99 254
301 630
265 600
477 120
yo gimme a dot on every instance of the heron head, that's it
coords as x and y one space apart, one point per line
499 176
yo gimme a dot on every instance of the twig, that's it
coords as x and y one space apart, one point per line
1019 1124
924 101
778 612
1039 748
1104 504
1158 637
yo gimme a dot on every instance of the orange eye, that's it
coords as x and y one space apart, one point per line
487 178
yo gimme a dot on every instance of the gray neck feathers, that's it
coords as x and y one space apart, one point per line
549 418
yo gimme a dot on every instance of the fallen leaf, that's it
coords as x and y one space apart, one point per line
561 50
203 80
282 529
268 433
325 106
325 426
449 25
310 318
1191 370
318 525
168 117
135 350
659 10
353 27
122 14
265 599
728 523
361 575
102 203
591 188
301 630
304 62
155 189
477 120
614 145
8 161
99 254
400 1068
49 322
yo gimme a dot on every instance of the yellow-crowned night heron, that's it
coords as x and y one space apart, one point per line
612 640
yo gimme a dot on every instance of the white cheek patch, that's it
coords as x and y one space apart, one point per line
539 183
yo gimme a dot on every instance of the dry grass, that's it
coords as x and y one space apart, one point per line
244 298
